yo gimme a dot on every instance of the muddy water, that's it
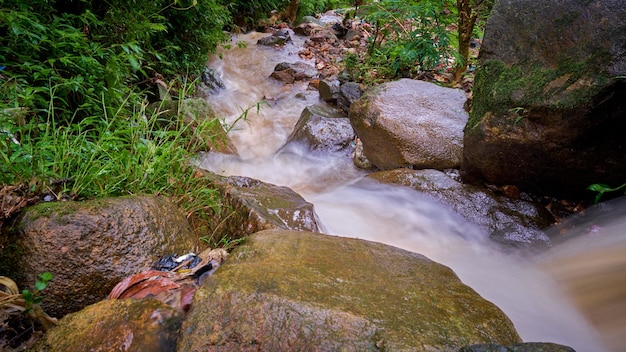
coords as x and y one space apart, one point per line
348 205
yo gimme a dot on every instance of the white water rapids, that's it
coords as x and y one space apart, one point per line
349 206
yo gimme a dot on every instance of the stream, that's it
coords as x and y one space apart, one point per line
347 205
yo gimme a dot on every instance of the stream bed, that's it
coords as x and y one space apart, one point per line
348 205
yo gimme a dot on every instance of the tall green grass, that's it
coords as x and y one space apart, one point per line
133 150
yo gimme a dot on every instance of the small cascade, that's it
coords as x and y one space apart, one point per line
349 205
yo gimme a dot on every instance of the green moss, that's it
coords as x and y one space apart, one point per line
530 85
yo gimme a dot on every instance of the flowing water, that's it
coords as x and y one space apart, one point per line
347 205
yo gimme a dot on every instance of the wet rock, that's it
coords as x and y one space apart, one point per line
548 108
410 123
509 221
195 113
300 291
323 129
348 93
280 37
308 28
116 325
211 79
323 36
291 72
255 205
90 246
329 90
359 159
519 347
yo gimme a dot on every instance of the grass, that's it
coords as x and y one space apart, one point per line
129 150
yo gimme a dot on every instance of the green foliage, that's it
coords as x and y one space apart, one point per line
601 189
71 59
408 37
99 156
246 13
313 7
32 298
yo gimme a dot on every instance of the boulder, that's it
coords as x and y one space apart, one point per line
309 27
116 325
410 123
277 38
509 221
255 205
90 246
302 291
291 72
548 111
322 128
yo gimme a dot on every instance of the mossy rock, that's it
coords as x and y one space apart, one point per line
297 291
548 113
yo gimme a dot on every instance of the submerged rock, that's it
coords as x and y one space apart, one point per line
90 246
291 72
510 221
300 291
409 123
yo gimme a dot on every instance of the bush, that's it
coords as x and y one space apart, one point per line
247 13
408 37
72 100
313 7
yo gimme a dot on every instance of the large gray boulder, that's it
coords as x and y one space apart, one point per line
548 111
410 123
302 291
90 246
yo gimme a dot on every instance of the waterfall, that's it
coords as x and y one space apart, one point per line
349 205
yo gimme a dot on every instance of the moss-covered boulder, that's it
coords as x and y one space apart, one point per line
302 291
250 205
138 325
548 111
90 246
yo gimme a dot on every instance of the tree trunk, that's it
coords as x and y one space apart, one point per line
467 19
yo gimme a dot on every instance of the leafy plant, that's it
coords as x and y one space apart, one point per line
601 189
28 302
408 37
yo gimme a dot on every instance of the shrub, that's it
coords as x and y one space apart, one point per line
408 37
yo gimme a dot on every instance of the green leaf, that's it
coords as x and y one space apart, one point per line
27 295
46 276
599 187
40 285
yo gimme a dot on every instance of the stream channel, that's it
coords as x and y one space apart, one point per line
347 205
